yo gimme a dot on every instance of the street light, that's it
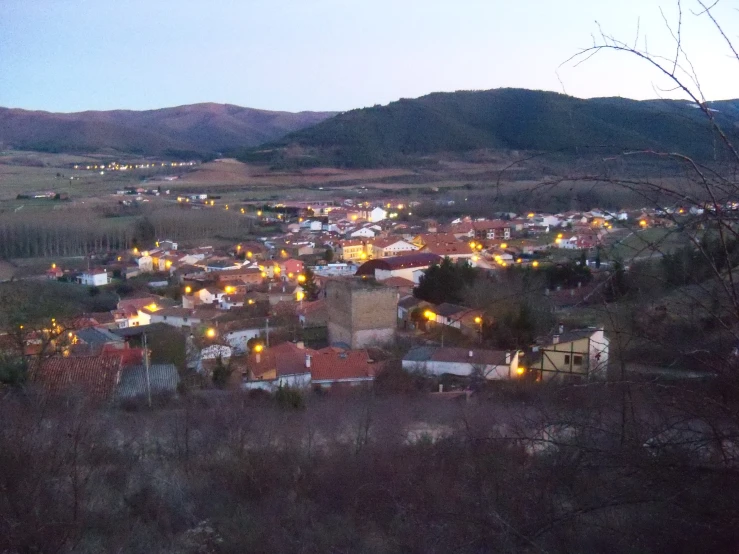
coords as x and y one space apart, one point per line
210 333
188 290
301 278
478 320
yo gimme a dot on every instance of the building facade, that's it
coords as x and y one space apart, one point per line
360 313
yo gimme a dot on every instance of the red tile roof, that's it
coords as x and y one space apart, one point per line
285 358
96 376
331 364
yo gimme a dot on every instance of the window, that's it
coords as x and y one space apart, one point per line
567 359
577 360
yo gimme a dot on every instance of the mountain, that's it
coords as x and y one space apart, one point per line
187 130
513 119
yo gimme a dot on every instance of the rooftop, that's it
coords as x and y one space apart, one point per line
94 375
163 379
456 355
332 364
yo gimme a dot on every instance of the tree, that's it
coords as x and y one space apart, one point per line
221 373
329 255
445 282
310 287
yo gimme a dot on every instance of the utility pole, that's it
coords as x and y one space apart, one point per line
146 368
266 324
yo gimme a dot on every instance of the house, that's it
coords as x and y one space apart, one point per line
291 268
229 301
313 314
176 317
145 263
167 245
331 367
385 248
490 364
94 278
249 275
377 214
409 267
353 250
209 295
335 270
579 352
406 306
238 333
136 382
447 245
284 365
482 229
364 232
94 376
94 339
54 272
452 315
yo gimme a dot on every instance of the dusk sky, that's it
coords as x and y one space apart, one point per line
72 55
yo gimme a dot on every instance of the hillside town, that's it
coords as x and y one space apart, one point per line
316 306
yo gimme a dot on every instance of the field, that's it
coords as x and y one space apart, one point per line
646 244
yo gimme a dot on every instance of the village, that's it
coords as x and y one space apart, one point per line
330 302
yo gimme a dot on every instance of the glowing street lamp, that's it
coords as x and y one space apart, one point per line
478 321
188 289
301 278
258 348
210 333
535 264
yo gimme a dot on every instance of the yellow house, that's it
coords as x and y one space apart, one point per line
579 352
353 250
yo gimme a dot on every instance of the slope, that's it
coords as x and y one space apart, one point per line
503 118
197 128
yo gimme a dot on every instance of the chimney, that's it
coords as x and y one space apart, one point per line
555 339
470 353
300 344
561 329
307 361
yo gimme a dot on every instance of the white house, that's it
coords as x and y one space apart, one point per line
364 232
94 278
237 338
146 264
377 214
490 364
176 317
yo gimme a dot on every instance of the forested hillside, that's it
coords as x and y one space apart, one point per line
504 118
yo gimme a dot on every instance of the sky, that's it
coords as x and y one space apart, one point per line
294 55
